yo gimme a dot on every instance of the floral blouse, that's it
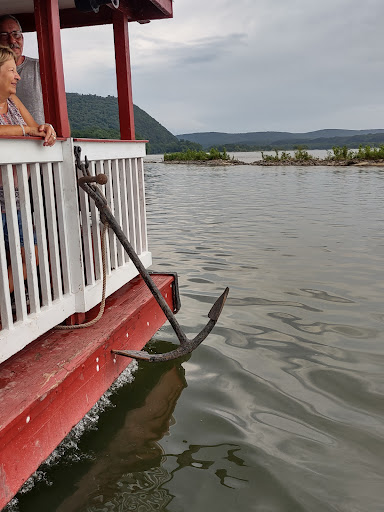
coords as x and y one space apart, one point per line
13 115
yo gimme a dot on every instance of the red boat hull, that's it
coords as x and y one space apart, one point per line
49 386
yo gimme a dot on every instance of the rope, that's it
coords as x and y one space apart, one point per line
102 304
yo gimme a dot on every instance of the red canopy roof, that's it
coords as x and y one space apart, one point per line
135 10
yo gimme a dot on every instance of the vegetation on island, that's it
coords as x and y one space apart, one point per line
338 154
363 153
192 155
300 156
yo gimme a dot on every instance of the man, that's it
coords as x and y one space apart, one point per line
29 87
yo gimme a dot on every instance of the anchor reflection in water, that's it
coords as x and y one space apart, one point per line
127 474
130 473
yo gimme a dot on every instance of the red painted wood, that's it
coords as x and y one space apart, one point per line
70 18
51 65
144 10
123 75
50 385
75 319
165 6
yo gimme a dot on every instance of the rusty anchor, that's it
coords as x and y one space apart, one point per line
89 184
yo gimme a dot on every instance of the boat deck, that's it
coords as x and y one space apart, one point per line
51 384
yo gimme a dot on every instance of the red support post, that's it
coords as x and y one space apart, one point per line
123 75
51 65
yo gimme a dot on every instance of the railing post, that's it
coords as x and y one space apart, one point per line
51 65
70 194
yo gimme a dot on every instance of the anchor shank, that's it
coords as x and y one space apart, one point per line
108 216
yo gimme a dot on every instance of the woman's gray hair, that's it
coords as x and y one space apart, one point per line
6 54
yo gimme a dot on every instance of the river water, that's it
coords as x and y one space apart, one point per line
281 409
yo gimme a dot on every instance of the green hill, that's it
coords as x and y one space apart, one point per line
97 117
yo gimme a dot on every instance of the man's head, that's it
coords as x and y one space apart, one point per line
11 35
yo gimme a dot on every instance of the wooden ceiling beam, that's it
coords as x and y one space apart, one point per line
135 10
165 6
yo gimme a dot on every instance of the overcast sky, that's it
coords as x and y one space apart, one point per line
245 65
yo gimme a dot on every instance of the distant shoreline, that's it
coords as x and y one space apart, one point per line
315 162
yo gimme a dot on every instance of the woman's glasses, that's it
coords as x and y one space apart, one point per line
16 34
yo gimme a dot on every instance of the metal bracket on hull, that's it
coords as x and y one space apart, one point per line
175 289
89 184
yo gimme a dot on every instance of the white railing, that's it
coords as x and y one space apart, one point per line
60 271
125 195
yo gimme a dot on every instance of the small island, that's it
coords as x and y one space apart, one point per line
213 157
339 156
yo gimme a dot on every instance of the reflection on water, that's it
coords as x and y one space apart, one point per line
128 472
123 468
283 411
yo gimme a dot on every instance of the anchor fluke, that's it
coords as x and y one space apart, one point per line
134 354
217 308
187 345
142 355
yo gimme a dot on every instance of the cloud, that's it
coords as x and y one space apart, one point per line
245 66
89 61
153 54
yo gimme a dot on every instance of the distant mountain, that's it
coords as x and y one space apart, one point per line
92 116
370 139
97 117
264 140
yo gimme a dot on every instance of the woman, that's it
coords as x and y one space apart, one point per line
14 117
16 120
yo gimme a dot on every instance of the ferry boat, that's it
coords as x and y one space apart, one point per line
49 377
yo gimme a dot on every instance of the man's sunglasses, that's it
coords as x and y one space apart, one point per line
16 34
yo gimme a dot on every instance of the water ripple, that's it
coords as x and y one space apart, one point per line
300 380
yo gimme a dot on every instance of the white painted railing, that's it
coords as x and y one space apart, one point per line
123 164
60 272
